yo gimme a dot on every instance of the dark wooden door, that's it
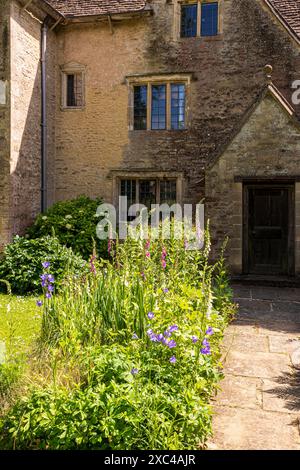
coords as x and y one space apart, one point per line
269 230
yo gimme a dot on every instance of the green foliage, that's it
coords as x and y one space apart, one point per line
113 381
114 410
74 224
21 264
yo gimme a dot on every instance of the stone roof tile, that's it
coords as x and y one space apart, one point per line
289 13
79 8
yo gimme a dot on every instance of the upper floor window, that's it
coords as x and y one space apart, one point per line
160 106
73 86
199 18
189 20
209 19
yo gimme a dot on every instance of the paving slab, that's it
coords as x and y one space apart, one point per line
279 396
240 429
243 392
258 405
257 364
283 344
249 343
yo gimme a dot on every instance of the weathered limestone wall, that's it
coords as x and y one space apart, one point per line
25 32
4 121
25 163
267 146
227 74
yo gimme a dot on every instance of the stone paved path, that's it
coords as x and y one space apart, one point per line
258 406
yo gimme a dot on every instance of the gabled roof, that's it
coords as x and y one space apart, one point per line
268 90
81 8
288 12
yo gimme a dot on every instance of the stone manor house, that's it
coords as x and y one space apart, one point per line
162 101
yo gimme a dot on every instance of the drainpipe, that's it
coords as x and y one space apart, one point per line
44 118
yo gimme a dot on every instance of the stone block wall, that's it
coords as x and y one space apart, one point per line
227 75
4 121
267 146
25 37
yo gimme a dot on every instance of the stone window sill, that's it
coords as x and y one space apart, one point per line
68 108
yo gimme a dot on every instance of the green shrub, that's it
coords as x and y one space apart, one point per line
21 264
74 224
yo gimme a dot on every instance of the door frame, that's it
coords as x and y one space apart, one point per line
290 186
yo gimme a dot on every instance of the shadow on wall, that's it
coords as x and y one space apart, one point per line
25 177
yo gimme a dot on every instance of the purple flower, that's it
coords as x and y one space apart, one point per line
167 333
147 244
173 328
147 254
172 344
150 315
195 339
173 360
149 332
134 371
153 338
50 288
51 278
135 336
206 351
209 331
163 264
160 337
166 291
46 264
39 303
164 342
44 277
48 295
44 284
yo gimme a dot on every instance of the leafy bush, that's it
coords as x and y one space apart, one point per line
74 224
133 351
21 264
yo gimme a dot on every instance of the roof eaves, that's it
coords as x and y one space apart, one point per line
147 10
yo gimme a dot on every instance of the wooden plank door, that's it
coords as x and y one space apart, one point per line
269 229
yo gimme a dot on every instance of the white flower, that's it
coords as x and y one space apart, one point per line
82 231
68 217
68 226
44 217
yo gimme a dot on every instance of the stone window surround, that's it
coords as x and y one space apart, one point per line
67 69
118 175
177 20
164 79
